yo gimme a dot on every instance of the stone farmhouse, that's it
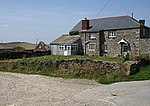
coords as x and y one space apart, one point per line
110 36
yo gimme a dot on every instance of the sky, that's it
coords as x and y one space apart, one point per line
45 20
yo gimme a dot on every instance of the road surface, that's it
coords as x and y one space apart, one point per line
36 90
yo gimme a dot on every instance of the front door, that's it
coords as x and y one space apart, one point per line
124 49
67 50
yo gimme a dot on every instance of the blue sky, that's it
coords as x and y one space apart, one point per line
28 20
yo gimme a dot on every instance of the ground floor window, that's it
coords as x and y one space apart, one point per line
61 47
92 47
65 47
69 47
75 47
106 48
125 48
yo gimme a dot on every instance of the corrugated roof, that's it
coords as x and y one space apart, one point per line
67 39
108 23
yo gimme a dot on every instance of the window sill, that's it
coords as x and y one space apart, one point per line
112 36
105 50
91 50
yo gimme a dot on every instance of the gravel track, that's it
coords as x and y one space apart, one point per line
36 90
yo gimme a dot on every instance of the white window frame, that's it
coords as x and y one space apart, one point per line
65 47
125 48
69 47
92 48
61 47
92 36
106 48
112 34
75 47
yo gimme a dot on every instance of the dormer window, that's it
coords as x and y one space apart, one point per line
92 36
112 34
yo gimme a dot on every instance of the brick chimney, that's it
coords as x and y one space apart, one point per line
142 22
85 24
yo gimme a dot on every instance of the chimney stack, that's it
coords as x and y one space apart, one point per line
142 22
85 24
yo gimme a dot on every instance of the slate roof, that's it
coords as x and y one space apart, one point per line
66 39
109 23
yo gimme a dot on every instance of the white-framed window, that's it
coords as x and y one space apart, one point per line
111 34
75 47
125 48
92 47
61 47
92 35
105 48
69 47
65 47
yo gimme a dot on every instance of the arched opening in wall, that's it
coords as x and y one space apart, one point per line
125 47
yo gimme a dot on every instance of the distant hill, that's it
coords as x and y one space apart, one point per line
11 45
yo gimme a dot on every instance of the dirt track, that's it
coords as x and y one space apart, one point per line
35 90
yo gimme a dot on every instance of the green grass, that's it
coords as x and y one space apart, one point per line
103 78
144 74
35 66
56 57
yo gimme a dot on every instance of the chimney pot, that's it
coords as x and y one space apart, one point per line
142 22
85 24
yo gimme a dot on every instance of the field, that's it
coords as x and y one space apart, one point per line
26 45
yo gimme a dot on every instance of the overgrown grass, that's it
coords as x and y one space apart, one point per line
103 78
35 66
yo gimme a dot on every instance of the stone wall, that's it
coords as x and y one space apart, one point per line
74 65
130 35
88 65
86 41
144 46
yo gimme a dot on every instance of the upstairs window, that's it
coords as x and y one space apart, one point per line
92 36
92 47
112 34
144 33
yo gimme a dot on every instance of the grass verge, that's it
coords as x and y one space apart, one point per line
35 66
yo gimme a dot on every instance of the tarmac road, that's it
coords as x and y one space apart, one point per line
36 90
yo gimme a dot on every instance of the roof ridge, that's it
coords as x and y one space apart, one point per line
110 17
133 19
